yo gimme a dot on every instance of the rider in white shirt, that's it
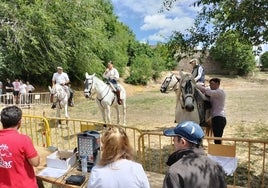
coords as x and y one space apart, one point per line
112 76
62 78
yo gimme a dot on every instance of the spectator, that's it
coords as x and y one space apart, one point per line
112 76
9 91
18 155
23 92
16 86
189 166
30 88
198 71
1 91
217 100
62 78
116 167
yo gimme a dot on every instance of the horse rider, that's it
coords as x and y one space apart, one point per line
112 76
198 74
198 71
62 78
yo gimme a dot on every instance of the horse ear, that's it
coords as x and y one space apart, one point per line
93 74
86 74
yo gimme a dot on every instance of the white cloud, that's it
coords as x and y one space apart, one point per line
148 21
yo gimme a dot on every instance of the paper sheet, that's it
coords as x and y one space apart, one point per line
229 164
52 172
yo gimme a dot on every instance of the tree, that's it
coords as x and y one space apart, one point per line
264 60
219 16
234 52
37 36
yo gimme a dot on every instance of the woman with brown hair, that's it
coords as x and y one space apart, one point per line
117 167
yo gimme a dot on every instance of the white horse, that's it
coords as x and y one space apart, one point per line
105 98
189 100
59 97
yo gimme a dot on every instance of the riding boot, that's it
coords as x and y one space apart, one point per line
53 106
119 101
70 100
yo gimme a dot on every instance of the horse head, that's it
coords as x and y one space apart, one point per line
57 92
89 85
187 86
170 83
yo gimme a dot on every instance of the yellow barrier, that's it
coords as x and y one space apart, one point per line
252 170
37 128
152 148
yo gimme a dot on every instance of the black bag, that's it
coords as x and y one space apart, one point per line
75 180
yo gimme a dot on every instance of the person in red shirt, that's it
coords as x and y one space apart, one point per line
17 153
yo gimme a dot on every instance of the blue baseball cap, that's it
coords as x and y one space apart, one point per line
189 130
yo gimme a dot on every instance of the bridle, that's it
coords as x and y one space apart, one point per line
187 91
167 81
54 93
88 90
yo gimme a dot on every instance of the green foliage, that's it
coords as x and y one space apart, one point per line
234 52
140 71
37 36
248 17
264 60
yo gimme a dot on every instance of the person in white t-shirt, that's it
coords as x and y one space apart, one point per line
117 167
62 78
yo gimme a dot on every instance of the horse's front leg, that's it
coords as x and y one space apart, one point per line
117 114
58 116
124 112
108 114
66 112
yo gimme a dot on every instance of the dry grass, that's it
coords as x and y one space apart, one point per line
150 110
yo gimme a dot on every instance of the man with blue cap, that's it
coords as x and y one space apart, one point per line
189 165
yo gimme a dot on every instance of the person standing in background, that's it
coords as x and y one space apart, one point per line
30 88
23 93
9 91
18 154
1 91
16 91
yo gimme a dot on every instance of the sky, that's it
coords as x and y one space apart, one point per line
144 19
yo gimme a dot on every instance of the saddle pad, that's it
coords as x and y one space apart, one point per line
75 180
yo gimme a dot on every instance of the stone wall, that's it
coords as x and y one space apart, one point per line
210 66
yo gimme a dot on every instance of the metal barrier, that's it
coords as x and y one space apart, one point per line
37 128
26 100
152 148
62 133
252 170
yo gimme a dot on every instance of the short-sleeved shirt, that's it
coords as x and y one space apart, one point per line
15 169
60 78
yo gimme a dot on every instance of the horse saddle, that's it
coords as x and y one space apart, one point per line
203 106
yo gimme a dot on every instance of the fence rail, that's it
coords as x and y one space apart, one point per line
24 100
152 148
252 170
